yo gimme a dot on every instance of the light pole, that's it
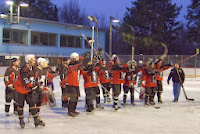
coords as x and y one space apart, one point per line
92 18
20 4
112 19
92 41
10 3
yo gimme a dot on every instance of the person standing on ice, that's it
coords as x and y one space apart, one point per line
72 82
92 91
130 81
149 76
25 85
159 64
63 75
41 70
10 78
118 77
178 77
104 76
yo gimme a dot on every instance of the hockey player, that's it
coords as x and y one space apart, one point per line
49 95
92 91
150 83
10 78
104 76
41 73
72 82
140 71
118 76
52 73
159 64
63 75
130 81
25 85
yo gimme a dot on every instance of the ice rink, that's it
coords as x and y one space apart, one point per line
172 118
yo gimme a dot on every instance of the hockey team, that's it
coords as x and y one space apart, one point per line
33 85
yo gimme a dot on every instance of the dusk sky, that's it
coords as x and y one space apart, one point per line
115 8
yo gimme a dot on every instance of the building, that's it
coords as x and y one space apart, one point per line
43 38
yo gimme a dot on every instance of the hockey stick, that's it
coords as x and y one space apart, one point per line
90 43
104 88
183 87
197 52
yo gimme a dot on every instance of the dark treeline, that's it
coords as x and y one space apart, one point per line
154 23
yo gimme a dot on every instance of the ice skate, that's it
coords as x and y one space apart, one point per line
21 123
7 114
38 122
71 114
76 113
99 106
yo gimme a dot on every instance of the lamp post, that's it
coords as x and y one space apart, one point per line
10 3
20 4
92 41
92 18
112 19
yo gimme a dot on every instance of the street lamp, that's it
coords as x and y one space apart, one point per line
92 18
11 3
91 41
112 19
21 4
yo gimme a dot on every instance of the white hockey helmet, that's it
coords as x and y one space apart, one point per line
39 60
74 55
29 57
140 62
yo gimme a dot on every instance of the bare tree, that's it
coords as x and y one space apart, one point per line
102 21
4 9
70 12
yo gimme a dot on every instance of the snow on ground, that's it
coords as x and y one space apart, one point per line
172 118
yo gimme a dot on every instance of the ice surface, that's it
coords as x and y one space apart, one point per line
172 118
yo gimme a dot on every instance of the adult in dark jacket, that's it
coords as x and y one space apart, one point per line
178 77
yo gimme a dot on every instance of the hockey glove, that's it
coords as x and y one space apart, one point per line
11 86
86 54
34 88
168 82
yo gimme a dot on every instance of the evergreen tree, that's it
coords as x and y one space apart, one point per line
193 24
154 23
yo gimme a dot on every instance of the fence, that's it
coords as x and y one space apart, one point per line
190 66
56 59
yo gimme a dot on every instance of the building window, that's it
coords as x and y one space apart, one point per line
14 36
41 38
70 41
87 46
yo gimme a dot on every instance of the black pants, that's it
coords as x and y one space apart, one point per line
126 90
73 93
159 89
106 90
150 93
21 98
116 92
90 96
10 95
38 97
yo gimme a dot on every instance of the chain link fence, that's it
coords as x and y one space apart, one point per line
55 59
190 63
190 66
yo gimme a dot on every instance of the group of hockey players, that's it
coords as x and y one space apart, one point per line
34 84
